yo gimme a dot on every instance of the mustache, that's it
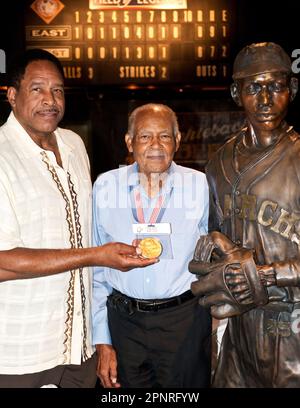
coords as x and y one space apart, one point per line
155 153
49 110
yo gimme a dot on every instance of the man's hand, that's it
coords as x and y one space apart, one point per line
107 366
24 263
121 256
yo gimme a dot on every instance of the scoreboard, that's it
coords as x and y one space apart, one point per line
136 42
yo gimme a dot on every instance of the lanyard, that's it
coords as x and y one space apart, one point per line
158 210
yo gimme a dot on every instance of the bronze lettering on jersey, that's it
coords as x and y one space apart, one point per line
265 208
267 215
248 207
285 223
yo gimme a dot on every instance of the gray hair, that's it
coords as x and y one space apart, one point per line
155 107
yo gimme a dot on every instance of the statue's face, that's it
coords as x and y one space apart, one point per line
265 98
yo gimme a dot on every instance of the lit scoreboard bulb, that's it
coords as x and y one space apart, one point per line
148 42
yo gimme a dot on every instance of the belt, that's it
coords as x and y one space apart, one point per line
122 302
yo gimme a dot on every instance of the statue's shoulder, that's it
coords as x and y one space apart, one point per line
293 135
227 147
224 153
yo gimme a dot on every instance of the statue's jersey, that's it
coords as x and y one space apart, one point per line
258 205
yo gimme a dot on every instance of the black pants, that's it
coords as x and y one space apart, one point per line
166 348
63 376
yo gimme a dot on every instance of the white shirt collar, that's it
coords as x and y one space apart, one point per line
28 146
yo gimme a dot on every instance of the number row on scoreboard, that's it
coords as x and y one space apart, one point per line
150 52
159 32
151 16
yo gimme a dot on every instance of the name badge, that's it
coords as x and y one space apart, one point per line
156 228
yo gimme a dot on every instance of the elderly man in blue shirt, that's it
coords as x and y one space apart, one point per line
148 328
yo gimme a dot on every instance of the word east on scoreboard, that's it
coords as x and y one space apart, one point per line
143 42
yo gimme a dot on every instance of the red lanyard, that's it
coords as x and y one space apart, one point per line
140 211
158 210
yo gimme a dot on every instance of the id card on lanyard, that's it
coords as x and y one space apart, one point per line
154 228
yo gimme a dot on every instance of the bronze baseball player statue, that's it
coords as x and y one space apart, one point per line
249 264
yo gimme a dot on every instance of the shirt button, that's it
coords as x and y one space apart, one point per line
237 192
237 210
147 280
78 313
238 242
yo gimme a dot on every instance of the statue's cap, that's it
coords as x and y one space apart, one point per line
260 58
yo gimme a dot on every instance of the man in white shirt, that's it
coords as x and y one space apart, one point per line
45 190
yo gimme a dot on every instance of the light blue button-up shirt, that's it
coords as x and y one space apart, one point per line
186 211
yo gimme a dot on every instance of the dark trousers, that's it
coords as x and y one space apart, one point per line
63 376
165 348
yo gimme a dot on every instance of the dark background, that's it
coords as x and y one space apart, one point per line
100 114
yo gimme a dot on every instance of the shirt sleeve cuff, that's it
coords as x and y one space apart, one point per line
101 334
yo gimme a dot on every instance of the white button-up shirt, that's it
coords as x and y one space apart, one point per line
45 321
